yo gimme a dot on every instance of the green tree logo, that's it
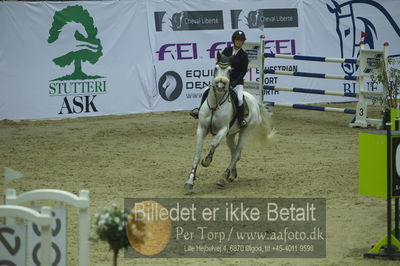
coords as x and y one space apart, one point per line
89 46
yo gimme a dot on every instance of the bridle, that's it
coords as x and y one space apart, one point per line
225 97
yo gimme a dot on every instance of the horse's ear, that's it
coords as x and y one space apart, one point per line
218 56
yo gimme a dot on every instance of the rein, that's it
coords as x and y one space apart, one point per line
224 98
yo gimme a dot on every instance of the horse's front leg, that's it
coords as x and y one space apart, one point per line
214 144
231 172
230 141
201 134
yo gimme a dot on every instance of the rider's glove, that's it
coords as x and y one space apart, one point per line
233 84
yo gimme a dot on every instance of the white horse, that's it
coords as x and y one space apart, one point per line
217 116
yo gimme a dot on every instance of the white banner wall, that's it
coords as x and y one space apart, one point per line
101 61
69 59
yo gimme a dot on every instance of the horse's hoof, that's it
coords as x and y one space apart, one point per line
205 162
227 174
221 183
225 178
188 186
233 175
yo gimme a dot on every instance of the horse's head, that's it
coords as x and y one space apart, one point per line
221 73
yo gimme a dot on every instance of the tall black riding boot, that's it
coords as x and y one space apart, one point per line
240 116
195 112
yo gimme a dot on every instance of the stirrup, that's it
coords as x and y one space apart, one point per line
195 113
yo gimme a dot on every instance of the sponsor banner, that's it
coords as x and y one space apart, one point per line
341 23
267 18
71 59
253 51
193 51
334 28
192 20
181 87
296 38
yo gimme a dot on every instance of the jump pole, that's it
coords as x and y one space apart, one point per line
313 58
314 107
310 75
360 119
310 91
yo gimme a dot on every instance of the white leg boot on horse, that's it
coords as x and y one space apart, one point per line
232 171
199 146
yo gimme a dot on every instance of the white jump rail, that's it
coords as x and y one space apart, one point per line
81 202
42 219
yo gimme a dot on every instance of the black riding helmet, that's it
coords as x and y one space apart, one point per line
238 35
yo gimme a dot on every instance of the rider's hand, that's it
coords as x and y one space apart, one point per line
232 85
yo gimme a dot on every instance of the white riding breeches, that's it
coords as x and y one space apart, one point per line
239 92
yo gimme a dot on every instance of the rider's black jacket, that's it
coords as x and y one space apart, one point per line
239 64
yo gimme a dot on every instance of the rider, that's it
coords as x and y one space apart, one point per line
239 64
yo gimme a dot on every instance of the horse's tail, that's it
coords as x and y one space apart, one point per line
263 131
